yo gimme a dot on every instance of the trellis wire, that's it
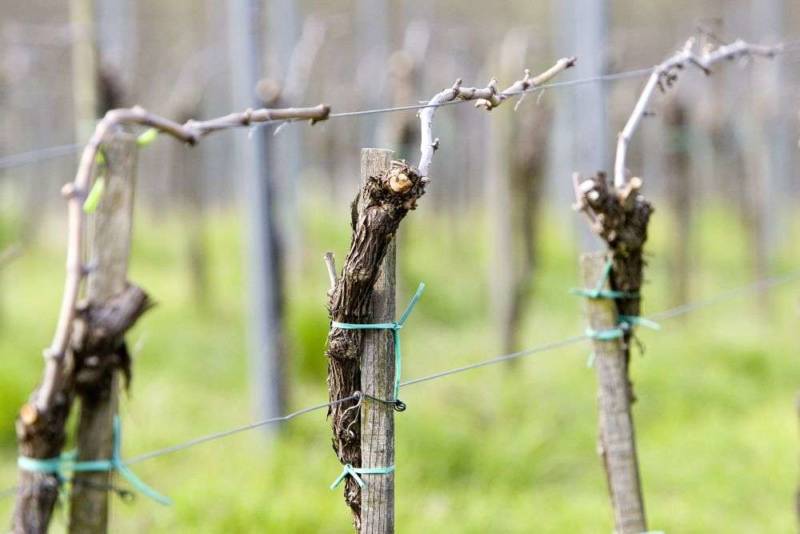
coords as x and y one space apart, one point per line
683 309
33 156
757 286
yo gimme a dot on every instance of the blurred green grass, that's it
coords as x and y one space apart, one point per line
508 448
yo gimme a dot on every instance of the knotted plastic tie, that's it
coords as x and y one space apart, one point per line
67 463
395 328
348 469
626 322
599 292
356 471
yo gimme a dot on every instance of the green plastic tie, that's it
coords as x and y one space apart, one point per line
94 196
356 471
635 320
147 137
395 328
626 322
605 335
599 292
67 463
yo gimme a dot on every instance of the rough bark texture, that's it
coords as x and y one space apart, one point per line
98 329
97 381
616 438
620 218
381 204
377 380
39 436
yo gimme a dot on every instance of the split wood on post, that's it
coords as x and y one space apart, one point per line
40 426
97 382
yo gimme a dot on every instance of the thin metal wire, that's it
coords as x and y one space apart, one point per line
545 347
41 154
757 286
760 285
34 156
570 83
25 158
236 430
635 73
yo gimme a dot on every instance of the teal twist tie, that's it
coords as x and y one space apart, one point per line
395 328
356 471
67 463
599 292
605 335
626 322
635 320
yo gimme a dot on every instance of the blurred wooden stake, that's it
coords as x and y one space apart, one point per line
616 439
110 243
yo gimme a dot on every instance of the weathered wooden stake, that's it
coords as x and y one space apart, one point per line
110 243
377 380
390 189
616 439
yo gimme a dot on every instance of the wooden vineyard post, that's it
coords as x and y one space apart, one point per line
616 438
361 360
98 385
377 380
619 213
389 190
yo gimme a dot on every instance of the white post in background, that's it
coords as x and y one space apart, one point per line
775 147
282 38
581 141
263 266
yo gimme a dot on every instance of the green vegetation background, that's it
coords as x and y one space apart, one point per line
509 448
